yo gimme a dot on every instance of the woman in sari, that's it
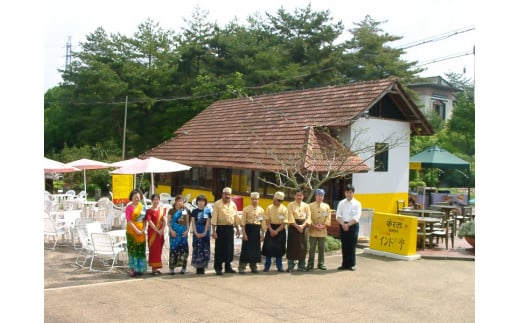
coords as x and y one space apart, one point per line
200 226
135 234
155 219
178 219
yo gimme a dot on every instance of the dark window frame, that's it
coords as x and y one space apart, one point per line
381 157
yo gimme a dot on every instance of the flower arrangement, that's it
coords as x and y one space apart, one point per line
467 229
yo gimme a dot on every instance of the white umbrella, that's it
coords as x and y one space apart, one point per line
85 164
151 165
53 166
124 163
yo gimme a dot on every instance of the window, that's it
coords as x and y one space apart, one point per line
241 181
381 157
439 106
199 177
264 188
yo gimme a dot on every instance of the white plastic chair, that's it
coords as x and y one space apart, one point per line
70 194
105 250
52 229
93 227
109 220
86 251
81 194
80 225
165 198
103 206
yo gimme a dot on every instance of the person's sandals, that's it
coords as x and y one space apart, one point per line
156 272
131 273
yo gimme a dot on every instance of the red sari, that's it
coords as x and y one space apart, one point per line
155 241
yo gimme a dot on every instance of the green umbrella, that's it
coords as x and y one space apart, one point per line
436 157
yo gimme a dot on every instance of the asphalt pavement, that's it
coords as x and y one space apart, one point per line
381 290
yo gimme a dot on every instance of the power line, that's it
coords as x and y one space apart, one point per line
437 37
436 60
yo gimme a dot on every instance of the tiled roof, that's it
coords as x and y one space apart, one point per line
250 133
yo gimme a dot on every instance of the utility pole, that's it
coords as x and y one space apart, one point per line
68 54
124 128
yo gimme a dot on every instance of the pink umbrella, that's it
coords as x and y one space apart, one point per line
53 166
151 165
126 162
85 164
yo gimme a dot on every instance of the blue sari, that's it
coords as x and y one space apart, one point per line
179 245
201 246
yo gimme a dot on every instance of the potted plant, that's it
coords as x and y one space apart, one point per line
467 231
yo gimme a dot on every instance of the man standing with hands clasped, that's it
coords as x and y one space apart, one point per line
348 215
224 219
320 220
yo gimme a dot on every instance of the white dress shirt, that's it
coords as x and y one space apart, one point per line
348 210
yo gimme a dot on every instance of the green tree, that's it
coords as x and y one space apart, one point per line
369 57
169 77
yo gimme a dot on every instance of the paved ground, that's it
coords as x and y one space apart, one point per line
382 289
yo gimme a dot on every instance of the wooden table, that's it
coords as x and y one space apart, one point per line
421 213
422 222
444 208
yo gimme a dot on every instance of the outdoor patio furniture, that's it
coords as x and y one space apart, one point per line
447 230
86 251
104 250
53 230
425 230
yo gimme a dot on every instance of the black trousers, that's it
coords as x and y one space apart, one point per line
348 245
224 247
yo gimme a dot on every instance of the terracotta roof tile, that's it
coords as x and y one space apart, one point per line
244 133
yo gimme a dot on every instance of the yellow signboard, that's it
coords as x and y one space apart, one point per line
122 185
394 233
415 165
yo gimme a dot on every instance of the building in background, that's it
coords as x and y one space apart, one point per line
238 141
435 94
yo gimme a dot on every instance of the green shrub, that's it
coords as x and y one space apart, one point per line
466 229
332 243
414 184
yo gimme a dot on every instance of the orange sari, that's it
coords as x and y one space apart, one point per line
136 244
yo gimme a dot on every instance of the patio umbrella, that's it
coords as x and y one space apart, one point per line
53 166
126 162
436 157
85 164
151 165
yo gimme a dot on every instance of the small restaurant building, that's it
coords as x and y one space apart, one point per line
361 129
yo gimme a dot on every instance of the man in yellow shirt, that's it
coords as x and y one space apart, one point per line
252 235
320 220
223 220
299 220
275 236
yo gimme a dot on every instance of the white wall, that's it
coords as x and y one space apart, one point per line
362 137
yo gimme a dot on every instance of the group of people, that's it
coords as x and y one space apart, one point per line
275 232
178 220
